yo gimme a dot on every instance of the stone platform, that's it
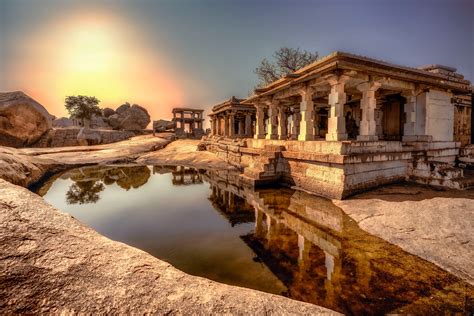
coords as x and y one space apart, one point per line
338 169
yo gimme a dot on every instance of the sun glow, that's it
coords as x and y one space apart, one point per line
92 49
98 56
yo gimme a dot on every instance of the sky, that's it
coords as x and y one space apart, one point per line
164 54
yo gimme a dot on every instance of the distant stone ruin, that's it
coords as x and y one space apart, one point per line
188 123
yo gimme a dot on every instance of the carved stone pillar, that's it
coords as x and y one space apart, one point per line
317 122
282 122
379 120
272 126
220 128
368 103
307 112
409 128
241 127
226 126
231 125
259 124
248 125
295 125
337 99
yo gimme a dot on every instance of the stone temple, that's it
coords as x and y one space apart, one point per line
348 123
187 122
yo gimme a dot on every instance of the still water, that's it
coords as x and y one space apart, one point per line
279 241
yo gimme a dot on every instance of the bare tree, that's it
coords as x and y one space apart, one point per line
286 60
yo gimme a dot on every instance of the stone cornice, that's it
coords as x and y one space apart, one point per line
347 61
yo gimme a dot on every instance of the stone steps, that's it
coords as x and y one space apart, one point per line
464 183
264 166
446 176
466 157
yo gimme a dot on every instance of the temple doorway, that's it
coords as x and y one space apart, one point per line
392 125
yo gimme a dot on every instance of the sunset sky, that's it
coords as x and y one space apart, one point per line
163 54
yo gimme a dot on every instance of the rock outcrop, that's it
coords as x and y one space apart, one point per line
434 225
126 118
22 119
162 125
122 108
22 169
113 121
63 122
28 165
99 122
65 137
184 152
88 136
106 112
53 264
134 117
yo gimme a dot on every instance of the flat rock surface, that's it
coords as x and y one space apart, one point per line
437 226
26 166
51 263
184 153
134 145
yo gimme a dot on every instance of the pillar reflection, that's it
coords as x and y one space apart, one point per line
321 255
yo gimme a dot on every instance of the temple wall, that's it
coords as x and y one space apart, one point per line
339 169
462 119
439 115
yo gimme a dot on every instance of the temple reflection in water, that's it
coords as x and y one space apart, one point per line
323 257
317 251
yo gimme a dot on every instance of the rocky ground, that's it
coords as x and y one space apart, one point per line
184 153
436 225
28 165
52 263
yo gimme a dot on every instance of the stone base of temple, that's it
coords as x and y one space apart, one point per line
417 138
338 169
466 156
366 138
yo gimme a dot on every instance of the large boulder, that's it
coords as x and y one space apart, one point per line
63 122
162 125
106 112
124 107
22 120
134 118
98 122
114 121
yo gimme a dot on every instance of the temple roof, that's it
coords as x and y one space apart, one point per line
436 75
232 104
187 109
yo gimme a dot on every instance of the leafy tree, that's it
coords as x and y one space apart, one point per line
82 107
286 60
